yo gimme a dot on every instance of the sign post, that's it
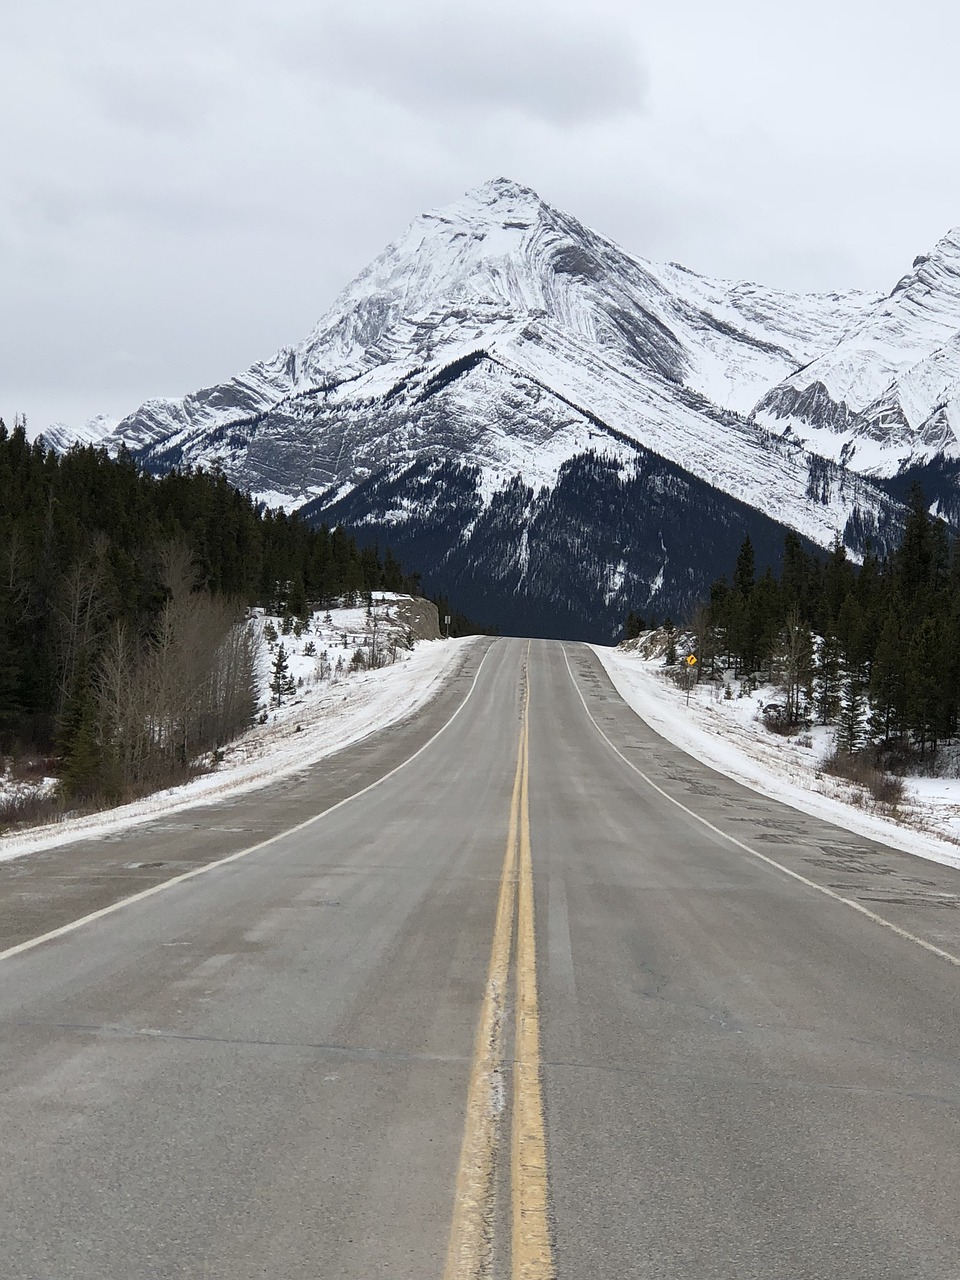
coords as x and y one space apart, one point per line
690 664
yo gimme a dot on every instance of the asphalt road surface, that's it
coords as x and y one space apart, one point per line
549 998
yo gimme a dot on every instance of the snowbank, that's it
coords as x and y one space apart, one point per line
322 714
729 736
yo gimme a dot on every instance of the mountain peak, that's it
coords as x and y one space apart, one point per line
935 268
504 189
948 245
453 385
500 200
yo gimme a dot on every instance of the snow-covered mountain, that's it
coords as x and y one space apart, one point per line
500 354
100 430
887 395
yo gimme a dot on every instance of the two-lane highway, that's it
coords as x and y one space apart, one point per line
549 999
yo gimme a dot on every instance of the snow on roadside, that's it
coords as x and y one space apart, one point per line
16 788
322 717
728 736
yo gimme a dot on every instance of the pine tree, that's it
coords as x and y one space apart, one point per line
89 770
827 679
838 578
852 715
795 575
670 658
634 625
718 612
924 711
914 555
744 573
281 683
763 623
297 599
888 684
794 665
854 635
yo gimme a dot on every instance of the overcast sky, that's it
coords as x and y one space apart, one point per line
186 184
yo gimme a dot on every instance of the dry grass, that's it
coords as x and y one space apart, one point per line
29 808
24 801
860 767
31 768
775 721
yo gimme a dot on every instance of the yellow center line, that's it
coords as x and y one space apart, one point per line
532 1251
469 1252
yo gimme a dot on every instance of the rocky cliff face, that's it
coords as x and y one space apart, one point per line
886 396
500 354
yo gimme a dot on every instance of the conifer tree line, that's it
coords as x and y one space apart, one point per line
120 595
872 649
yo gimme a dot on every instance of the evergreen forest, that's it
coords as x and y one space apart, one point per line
873 649
120 599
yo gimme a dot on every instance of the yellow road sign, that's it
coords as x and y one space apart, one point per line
691 660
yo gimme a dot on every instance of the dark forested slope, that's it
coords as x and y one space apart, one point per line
566 561
873 649
111 578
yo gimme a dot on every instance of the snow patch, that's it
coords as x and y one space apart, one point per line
320 717
729 737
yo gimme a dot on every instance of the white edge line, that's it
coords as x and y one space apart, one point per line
228 785
762 857
73 925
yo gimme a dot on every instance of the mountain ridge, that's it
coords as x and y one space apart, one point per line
503 334
347 343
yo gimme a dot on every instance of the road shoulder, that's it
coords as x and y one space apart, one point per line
71 879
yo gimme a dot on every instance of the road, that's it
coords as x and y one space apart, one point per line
548 999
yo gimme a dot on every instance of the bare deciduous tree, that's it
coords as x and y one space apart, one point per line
79 610
185 688
793 662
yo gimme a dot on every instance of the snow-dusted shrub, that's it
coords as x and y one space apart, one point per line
860 768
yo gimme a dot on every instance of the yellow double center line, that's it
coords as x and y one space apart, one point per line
470 1250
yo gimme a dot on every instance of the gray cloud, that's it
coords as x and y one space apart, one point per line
188 184
165 100
563 65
